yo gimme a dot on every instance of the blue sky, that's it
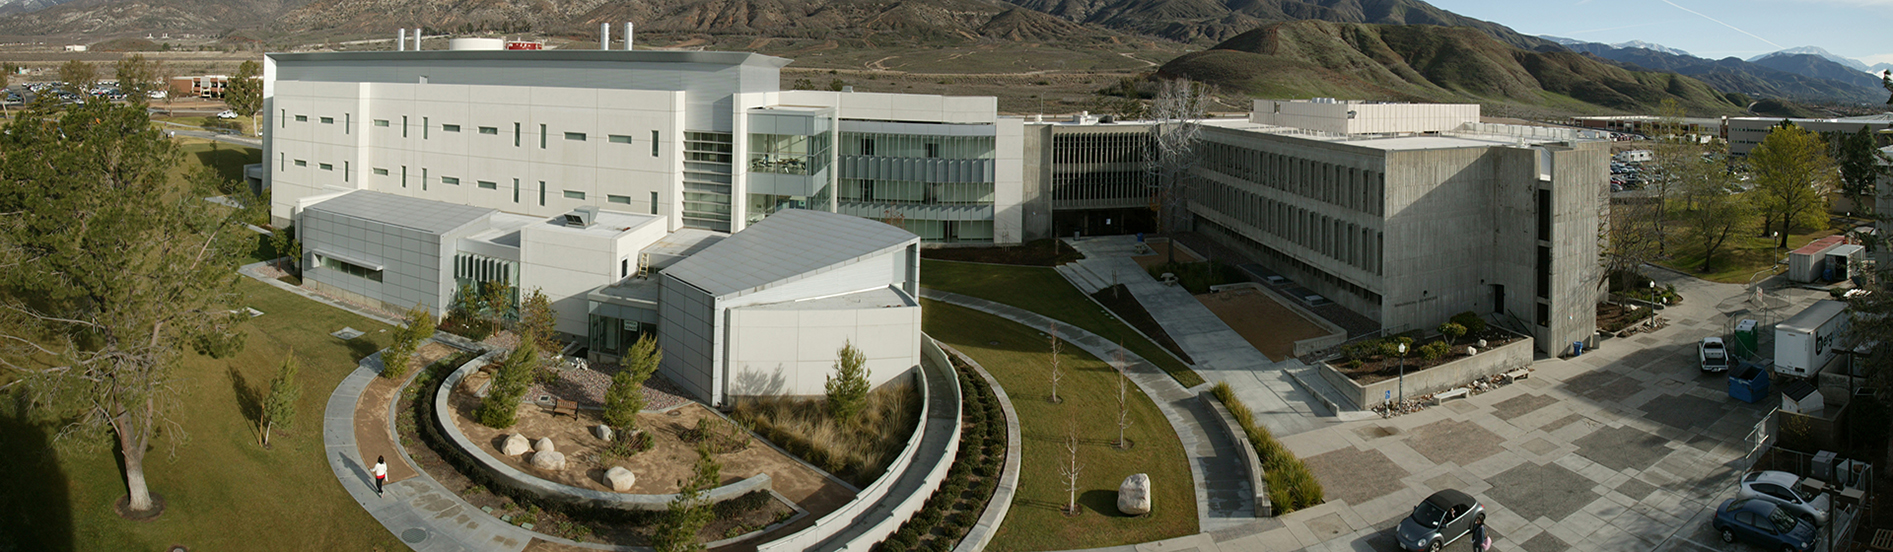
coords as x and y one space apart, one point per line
1860 29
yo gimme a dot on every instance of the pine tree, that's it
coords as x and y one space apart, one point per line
690 510
500 408
626 396
848 388
279 408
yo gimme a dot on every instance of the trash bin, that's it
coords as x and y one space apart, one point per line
1748 383
1577 348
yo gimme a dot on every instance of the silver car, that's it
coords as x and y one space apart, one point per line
1783 488
1439 520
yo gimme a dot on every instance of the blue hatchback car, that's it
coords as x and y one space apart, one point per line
1762 522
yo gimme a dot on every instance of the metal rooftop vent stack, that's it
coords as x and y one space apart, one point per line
582 217
604 36
417 39
401 40
627 36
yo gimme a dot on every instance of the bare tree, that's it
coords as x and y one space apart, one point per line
1123 397
1069 470
1057 374
1177 112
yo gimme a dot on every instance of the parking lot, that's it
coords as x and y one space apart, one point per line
1629 447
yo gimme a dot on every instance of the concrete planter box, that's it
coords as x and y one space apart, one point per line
1336 336
1498 360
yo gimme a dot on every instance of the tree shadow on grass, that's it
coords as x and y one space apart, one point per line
360 348
1102 502
228 159
35 510
249 398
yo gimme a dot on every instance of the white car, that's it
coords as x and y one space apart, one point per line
227 114
1783 488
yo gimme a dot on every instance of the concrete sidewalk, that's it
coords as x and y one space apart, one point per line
1224 498
1220 353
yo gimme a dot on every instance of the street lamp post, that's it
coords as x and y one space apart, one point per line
1403 374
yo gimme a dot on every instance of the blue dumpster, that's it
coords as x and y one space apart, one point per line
1748 383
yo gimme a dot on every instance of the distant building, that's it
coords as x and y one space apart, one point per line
200 86
75 47
1649 125
1744 133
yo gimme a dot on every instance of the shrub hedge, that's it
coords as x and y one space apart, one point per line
950 512
1291 486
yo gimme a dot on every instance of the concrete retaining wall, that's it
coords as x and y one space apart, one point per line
1336 335
1258 480
882 513
1498 360
558 492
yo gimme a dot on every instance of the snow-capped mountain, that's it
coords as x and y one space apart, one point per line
1630 44
1851 63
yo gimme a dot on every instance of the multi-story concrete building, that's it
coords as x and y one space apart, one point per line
1404 213
1745 133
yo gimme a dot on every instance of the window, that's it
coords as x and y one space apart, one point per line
1544 314
345 171
619 139
450 128
653 143
381 122
455 180
301 163
348 268
575 136
572 194
484 185
490 130
542 188
426 127
348 123
302 118
933 151
618 199
325 166
542 141
281 161
282 118
423 179
404 176
867 146
515 137
381 172
515 190
404 126
653 203
624 268
328 120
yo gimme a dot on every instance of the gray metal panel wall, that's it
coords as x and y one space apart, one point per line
916 170
412 261
686 333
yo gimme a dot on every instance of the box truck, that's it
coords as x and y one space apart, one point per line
1805 343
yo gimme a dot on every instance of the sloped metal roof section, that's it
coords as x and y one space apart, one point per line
433 217
788 244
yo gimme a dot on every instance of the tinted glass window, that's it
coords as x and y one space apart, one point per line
1428 515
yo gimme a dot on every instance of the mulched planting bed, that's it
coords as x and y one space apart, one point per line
1384 367
1033 253
1613 317
962 498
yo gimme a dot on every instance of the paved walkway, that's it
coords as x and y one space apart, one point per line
1220 353
1224 499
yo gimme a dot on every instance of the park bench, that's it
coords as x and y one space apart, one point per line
1518 374
565 407
1455 393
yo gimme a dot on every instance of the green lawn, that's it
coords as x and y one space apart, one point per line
1042 290
1016 356
224 491
1740 257
228 159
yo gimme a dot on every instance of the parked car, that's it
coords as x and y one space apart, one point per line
1761 522
1439 520
227 114
1782 488
1712 353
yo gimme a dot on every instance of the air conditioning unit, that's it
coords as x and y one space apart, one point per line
1824 465
1850 473
582 217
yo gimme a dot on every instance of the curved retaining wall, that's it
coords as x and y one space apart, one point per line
877 511
559 492
988 525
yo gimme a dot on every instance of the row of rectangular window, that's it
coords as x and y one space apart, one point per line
1330 237
1357 189
491 185
426 125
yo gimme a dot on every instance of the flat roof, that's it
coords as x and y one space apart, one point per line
425 215
641 56
606 224
789 243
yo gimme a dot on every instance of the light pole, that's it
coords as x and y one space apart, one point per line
1403 374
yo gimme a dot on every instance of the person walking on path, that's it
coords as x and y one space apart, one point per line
1479 541
381 474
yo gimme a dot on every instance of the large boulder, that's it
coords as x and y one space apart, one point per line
515 445
620 479
548 460
1133 496
544 445
602 432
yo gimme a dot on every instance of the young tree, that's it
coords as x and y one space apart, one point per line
691 509
500 408
1123 397
285 243
1070 470
244 92
280 406
1671 154
848 388
1057 374
625 398
417 329
1860 162
137 77
107 270
79 77
1793 175
1452 332
536 320
1178 110
1720 206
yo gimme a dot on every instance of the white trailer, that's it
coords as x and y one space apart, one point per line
1805 343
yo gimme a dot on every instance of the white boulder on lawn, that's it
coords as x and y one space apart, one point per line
620 479
1133 496
548 460
515 445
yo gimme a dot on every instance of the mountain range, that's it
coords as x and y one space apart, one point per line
1799 75
1620 45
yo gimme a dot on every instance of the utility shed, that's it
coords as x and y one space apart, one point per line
1805 263
765 311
